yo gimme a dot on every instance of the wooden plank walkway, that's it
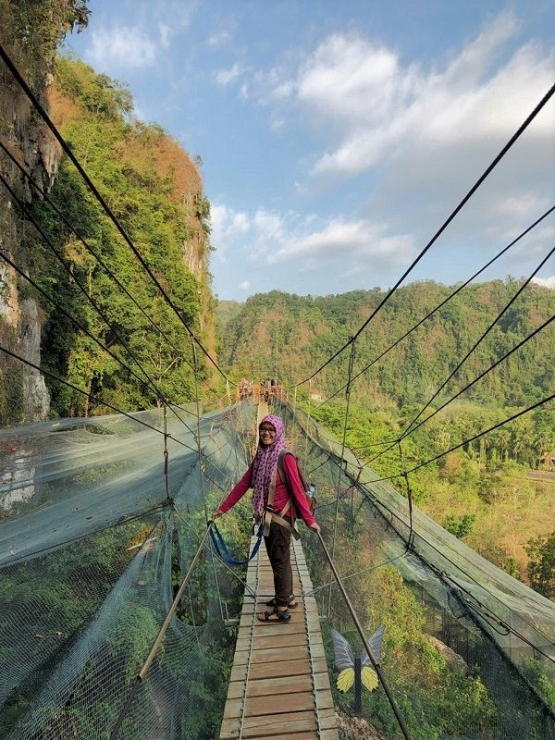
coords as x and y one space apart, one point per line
279 685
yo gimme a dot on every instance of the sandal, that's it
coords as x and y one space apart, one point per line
275 615
291 604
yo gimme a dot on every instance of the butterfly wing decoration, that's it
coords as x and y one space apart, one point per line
369 678
344 660
375 645
346 679
368 674
344 657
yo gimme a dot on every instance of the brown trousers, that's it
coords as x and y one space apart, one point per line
278 547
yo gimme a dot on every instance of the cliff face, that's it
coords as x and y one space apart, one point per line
29 34
162 206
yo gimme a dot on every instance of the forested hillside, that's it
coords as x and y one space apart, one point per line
29 33
120 343
294 335
155 192
484 490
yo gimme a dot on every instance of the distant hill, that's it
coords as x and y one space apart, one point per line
287 336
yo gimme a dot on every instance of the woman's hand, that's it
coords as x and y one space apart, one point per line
315 527
217 514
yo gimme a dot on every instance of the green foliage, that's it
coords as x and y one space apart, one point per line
541 567
120 156
459 526
541 673
295 334
435 699
11 384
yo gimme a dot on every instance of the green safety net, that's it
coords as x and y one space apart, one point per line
100 519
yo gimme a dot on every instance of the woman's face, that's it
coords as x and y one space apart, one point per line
267 434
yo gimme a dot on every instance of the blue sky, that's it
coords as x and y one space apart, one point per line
336 137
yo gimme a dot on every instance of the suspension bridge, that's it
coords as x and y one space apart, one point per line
99 641
102 517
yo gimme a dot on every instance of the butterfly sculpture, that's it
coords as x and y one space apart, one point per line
345 661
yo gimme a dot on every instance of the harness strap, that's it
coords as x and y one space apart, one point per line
222 549
270 515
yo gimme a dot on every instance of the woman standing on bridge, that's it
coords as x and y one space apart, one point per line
289 501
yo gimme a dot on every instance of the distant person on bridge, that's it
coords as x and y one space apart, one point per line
289 501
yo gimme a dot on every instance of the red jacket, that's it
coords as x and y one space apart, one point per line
299 503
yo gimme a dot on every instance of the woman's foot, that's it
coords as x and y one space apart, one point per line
275 615
291 604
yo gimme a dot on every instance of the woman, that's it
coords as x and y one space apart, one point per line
262 476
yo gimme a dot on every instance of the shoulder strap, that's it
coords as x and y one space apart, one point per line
269 514
280 468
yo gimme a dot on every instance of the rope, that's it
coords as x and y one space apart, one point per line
18 77
222 549
90 396
364 639
89 298
45 196
444 302
446 223
481 338
466 441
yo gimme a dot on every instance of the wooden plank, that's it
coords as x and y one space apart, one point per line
278 725
279 669
231 732
279 684
265 686
323 700
259 706
266 641
328 734
299 736
274 654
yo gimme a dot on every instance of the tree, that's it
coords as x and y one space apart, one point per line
541 567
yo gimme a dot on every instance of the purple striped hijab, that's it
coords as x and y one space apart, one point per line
265 463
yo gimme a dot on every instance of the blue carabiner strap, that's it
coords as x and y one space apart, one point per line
223 551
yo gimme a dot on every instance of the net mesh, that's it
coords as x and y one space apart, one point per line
101 519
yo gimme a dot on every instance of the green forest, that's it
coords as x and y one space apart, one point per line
484 491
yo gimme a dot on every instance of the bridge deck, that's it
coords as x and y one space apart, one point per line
279 685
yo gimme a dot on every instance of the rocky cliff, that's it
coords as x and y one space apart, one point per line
29 34
29 39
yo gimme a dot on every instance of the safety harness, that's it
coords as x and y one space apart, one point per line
269 514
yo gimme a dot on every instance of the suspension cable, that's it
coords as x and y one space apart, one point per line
88 395
364 639
481 338
410 431
93 303
370 497
466 441
25 87
446 223
445 301
45 196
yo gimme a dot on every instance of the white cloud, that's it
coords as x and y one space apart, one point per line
344 241
227 76
244 286
228 229
375 110
219 38
165 32
546 282
268 237
121 47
